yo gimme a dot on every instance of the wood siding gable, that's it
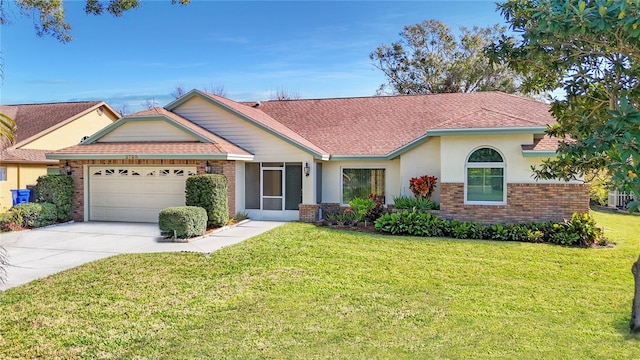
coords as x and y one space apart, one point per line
143 131
239 131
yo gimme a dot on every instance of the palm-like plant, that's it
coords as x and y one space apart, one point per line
7 130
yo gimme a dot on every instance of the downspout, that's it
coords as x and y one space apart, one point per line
18 172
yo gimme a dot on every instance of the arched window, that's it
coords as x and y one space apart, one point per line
485 179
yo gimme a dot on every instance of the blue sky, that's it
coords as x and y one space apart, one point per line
316 49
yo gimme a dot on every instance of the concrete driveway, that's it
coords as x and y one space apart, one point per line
38 253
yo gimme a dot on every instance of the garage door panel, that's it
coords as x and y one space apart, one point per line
135 194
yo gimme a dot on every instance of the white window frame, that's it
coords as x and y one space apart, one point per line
342 168
3 173
484 165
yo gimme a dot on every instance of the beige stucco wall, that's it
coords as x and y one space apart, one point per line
18 177
71 133
421 160
332 178
456 149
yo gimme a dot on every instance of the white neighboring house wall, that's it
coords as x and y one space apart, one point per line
619 199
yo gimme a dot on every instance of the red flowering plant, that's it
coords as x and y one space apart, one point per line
423 186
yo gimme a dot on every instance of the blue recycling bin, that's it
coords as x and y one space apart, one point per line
20 196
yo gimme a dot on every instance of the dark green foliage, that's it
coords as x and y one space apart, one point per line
581 230
430 58
418 203
210 193
591 50
186 221
58 190
36 214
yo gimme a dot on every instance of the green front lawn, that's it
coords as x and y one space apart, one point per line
306 292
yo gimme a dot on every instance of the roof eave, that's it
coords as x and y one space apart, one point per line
30 162
358 157
62 156
539 153
488 131
410 145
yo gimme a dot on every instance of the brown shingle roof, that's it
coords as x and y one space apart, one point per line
380 125
32 119
168 148
546 143
25 156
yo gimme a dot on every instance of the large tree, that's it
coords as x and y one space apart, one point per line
49 18
590 49
429 58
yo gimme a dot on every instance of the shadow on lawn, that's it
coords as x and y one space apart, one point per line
622 326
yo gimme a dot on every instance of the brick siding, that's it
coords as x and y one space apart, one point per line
226 168
308 212
525 203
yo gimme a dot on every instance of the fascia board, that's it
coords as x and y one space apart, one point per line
488 131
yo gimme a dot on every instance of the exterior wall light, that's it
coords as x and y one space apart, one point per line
67 168
207 168
307 169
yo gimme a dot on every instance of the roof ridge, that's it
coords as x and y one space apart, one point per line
372 97
58 102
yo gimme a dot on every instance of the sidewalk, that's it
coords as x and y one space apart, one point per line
38 253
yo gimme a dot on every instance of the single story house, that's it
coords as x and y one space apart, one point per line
288 159
41 128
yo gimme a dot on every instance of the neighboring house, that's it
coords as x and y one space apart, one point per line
41 128
619 200
285 160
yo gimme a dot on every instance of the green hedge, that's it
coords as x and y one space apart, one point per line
10 221
186 221
209 192
580 230
58 190
35 214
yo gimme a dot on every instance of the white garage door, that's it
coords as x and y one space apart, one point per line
135 194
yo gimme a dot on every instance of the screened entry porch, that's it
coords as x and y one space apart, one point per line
273 190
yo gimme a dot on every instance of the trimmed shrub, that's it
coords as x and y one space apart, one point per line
581 230
182 221
210 193
36 214
58 190
10 221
